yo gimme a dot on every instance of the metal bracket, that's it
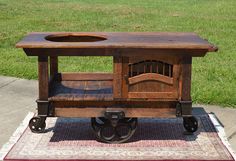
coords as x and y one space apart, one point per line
185 107
114 116
43 108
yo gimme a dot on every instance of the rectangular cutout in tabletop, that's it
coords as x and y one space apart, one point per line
87 90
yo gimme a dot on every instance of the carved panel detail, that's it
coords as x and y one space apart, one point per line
151 66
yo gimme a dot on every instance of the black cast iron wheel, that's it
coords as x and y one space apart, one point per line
37 124
190 124
105 132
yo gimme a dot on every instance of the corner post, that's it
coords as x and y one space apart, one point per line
186 101
43 85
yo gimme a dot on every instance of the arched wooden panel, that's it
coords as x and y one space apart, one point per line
150 76
151 86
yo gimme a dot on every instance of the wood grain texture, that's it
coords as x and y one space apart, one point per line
151 76
117 77
73 76
186 67
151 72
53 65
129 112
127 103
92 90
43 78
113 52
151 86
170 59
149 95
125 73
161 40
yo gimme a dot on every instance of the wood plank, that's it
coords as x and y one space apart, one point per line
92 90
73 76
43 78
151 76
106 92
176 77
151 86
135 103
185 86
81 91
167 59
77 92
53 65
118 40
130 52
117 77
129 112
125 75
147 95
186 66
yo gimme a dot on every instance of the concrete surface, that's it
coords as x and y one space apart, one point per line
227 117
17 98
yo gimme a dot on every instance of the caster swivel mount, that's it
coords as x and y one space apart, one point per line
114 127
37 124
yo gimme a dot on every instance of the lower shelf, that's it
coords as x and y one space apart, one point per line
95 90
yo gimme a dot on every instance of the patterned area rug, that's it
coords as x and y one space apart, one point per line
155 139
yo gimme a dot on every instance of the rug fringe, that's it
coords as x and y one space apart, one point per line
221 134
15 136
19 131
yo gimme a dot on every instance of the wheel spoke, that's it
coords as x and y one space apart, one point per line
96 125
103 135
119 131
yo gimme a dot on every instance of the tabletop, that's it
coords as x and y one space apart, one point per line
115 40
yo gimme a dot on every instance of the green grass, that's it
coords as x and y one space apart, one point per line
214 76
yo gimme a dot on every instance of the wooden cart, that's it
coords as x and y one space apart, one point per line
151 78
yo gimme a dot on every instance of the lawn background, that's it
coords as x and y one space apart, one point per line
214 76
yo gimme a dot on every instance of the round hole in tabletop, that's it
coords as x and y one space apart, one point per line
74 38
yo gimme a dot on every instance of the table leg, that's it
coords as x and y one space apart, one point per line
190 122
186 102
37 124
43 85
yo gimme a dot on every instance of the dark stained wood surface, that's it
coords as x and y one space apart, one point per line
85 76
81 91
53 66
43 78
148 67
129 112
130 103
150 76
125 73
117 78
119 40
153 95
185 78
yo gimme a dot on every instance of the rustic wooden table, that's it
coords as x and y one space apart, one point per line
151 78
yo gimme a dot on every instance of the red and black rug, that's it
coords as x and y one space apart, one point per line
155 139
